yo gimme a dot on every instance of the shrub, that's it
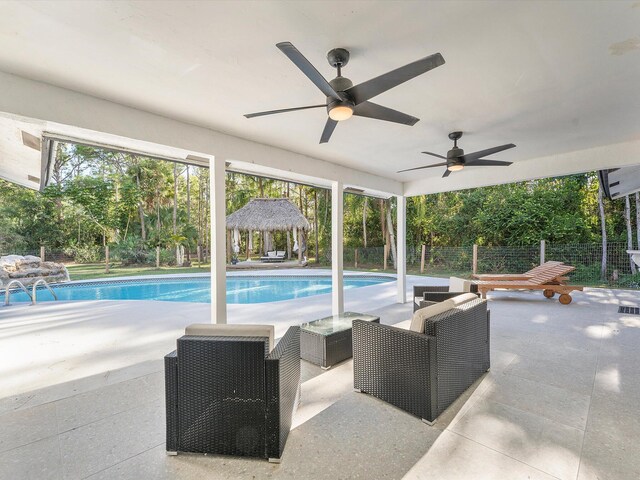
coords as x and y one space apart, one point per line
85 253
167 257
131 251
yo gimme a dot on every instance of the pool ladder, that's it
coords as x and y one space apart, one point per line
33 296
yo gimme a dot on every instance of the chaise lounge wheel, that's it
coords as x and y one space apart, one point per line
548 293
565 299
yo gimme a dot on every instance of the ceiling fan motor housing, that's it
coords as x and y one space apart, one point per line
340 84
453 156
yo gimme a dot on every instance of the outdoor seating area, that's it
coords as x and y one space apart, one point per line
266 216
231 391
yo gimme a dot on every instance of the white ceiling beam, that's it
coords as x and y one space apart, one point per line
32 99
569 163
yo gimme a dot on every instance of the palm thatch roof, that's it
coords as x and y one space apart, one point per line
268 214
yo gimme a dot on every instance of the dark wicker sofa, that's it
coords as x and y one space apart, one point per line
423 373
436 294
230 395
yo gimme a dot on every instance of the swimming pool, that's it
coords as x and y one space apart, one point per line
240 289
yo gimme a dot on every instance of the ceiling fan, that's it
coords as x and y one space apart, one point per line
456 159
343 98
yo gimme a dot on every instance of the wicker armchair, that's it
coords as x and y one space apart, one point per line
229 395
423 373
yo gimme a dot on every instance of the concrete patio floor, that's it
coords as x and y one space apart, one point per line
81 396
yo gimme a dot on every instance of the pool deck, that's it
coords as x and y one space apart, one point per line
82 395
153 324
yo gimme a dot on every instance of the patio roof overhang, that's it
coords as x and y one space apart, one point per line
557 79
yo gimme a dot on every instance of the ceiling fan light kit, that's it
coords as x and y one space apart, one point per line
340 112
343 99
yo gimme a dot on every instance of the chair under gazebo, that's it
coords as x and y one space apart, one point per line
268 215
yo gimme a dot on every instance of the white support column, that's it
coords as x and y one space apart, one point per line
218 241
401 249
337 234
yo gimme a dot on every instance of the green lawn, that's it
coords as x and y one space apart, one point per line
91 271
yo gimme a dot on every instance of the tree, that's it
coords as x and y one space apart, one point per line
627 218
603 264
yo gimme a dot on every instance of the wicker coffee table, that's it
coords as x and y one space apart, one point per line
328 341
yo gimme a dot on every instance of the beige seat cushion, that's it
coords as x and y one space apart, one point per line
457 284
223 330
404 325
424 314
464 298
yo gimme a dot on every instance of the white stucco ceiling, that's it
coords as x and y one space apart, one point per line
551 77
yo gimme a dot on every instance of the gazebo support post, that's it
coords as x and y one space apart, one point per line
249 244
337 285
401 250
288 245
299 246
218 241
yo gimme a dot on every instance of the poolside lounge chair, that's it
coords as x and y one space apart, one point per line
274 256
230 392
549 277
517 276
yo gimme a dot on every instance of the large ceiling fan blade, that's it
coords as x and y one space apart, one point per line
284 110
308 69
485 162
373 110
468 157
435 155
446 173
369 89
425 166
329 127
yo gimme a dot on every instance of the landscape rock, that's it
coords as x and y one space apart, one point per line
29 269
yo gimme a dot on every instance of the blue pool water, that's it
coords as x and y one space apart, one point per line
240 289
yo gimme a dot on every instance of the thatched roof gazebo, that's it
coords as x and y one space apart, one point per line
268 215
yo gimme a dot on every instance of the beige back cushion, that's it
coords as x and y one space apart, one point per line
220 330
464 298
424 314
459 285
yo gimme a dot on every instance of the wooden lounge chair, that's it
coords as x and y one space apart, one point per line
549 277
517 276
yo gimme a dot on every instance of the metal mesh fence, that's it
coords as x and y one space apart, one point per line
438 261
129 257
458 261
508 259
